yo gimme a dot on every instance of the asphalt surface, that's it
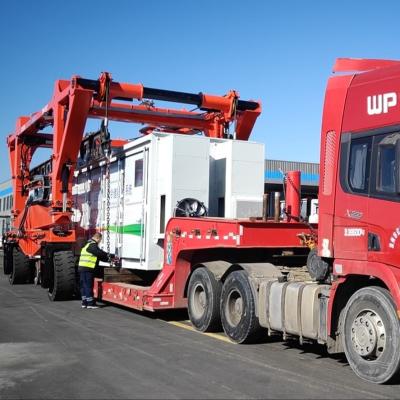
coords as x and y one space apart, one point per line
57 350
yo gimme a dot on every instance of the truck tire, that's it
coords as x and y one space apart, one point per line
7 259
62 281
238 312
371 337
204 295
316 266
21 271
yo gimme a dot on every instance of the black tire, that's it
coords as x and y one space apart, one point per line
238 313
316 266
371 337
204 295
7 259
46 271
62 281
21 268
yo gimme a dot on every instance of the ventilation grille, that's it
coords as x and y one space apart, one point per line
329 163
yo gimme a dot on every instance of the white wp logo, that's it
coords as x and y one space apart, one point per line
381 103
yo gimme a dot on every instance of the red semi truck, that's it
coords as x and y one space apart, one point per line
336 283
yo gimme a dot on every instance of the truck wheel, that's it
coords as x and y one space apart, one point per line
204 294
21 271
238 314
371 337
62 281
7 260
317 267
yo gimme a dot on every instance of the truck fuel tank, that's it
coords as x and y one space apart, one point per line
294 308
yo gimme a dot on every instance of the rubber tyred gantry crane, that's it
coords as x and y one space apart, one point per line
42 232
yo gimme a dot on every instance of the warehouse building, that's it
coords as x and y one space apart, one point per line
273 186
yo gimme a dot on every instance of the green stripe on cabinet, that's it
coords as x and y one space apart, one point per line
133 229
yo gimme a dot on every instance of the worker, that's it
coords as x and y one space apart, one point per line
89 259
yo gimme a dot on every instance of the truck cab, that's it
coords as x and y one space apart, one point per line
359 200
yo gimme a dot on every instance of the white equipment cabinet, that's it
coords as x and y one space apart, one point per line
236 178
150 176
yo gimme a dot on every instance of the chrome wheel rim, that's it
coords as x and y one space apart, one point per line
368 335
234 308
199 301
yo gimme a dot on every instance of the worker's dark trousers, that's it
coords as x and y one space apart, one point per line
86 280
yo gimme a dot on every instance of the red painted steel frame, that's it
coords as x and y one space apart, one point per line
72 104
185 236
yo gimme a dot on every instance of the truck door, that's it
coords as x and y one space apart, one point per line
366 224
134 206
384 206
352 201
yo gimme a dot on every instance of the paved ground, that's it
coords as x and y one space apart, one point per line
58 350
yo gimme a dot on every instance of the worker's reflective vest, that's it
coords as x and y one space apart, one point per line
87 259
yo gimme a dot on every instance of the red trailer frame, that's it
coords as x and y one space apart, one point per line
186 237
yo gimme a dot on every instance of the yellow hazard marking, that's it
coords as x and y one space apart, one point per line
218 336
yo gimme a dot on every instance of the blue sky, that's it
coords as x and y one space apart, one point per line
280 52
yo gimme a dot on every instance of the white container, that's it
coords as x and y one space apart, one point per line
147 180
236 178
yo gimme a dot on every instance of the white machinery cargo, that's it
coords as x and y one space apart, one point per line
151 175
236 178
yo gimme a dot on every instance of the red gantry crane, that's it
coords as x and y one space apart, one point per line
43 235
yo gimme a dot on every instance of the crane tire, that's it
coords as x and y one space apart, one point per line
7 259
204 295
238 310
62 282
21 271
371 337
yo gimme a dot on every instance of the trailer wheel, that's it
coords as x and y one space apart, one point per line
204 294
7 259
62 280
371 337
21 271
238 314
